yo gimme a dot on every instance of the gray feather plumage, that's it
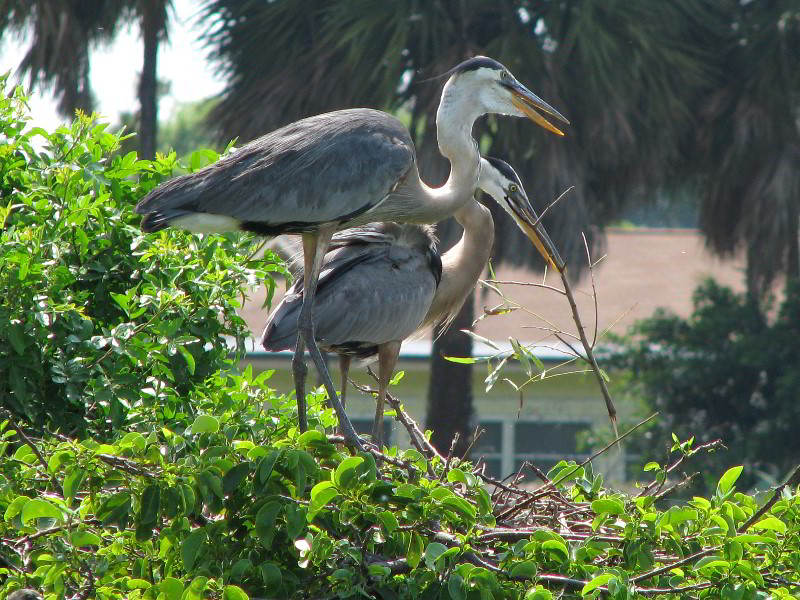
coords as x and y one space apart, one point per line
322 169
376 285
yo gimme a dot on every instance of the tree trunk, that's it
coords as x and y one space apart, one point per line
450 409
152 26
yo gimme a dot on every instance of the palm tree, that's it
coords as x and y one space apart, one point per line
747 146
59 53
622 70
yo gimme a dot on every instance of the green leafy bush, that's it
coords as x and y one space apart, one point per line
727 372
101 326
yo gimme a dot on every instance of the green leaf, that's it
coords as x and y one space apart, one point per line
752 538
171 588
610 506
388 520
234 476
265 523
321 494
295 521
711 562
770 524
271 575
190 548
16 335
72 483
726 482
455 586
196 589
205 424
15 508
524 569
432 552
557 547
345 472
414 550
596 582
190 364
79 539
150 506
38 508
462 506
232 592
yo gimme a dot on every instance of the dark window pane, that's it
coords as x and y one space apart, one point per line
364 427
491 442
537 437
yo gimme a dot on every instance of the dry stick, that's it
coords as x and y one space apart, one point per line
676 464
612 411
545 488
450 456
36 451
768 504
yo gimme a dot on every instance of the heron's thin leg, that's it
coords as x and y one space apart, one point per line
305 327
344 370
387 359
299 369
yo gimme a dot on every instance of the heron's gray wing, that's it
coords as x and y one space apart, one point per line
280 332
375 288
375 302
327 168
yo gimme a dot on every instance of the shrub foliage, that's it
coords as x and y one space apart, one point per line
137 462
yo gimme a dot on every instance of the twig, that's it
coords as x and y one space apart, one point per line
541 492
449 456
769 503
552 204
36 451
612 411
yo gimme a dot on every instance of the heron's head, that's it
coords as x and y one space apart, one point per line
502 183
496 90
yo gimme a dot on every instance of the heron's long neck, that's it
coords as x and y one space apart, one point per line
463 264
454 121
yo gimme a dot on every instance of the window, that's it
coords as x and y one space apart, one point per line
507 444
489 447
545 443
364 427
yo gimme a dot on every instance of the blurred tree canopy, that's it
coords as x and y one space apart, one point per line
725 372
64 32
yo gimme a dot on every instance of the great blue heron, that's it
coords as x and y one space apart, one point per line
383 282
338 170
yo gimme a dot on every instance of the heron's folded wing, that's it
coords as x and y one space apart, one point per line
322 169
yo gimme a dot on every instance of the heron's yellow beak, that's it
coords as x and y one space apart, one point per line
528 221
526 101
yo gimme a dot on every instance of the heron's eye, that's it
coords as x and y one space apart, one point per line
513 188
503 74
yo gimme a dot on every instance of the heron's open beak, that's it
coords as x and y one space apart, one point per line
528 221
525 100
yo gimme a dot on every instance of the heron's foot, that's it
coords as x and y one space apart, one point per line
299 371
